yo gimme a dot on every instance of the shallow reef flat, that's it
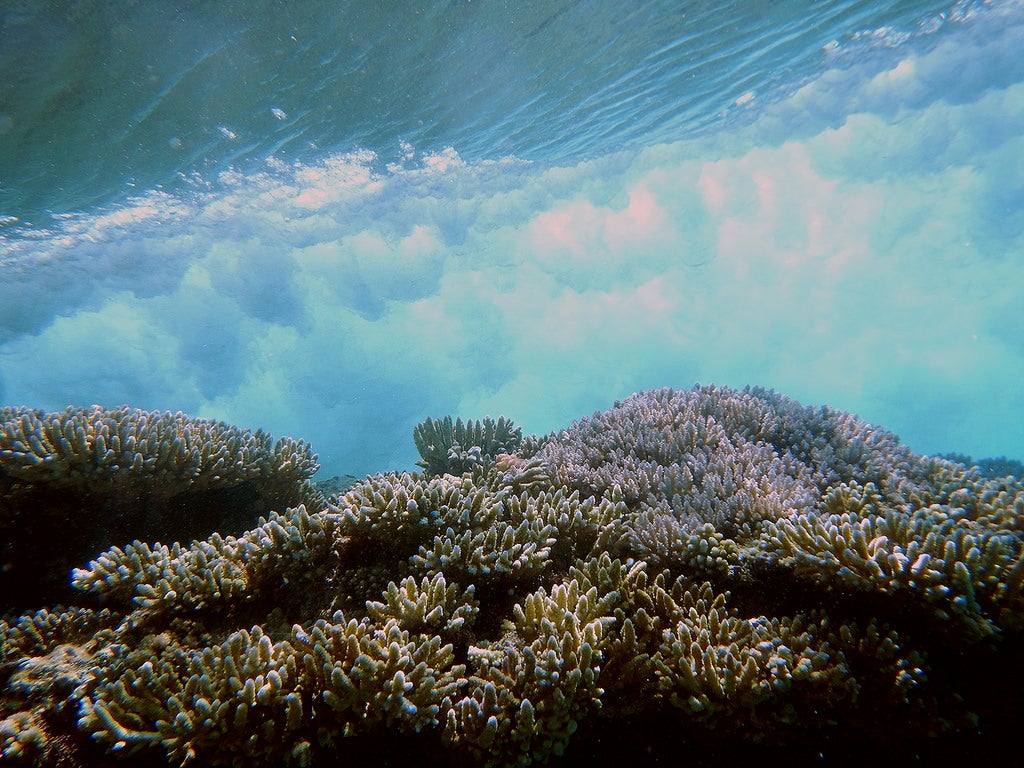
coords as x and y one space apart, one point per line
690 576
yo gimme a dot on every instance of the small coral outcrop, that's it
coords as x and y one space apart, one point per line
448 447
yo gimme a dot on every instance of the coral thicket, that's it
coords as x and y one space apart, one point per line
101 476
691 571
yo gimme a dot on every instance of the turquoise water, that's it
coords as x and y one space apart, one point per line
332 220
101 102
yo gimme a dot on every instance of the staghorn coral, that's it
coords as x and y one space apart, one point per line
995 466
703 570
96 450
127 470
447 447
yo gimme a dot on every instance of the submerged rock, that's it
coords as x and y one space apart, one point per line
702 573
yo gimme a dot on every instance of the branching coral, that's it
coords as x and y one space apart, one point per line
110 471
461 446
98 450
709 567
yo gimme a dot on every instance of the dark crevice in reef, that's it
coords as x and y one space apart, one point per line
653 741
766 586
61 530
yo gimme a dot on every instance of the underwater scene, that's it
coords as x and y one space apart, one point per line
478 383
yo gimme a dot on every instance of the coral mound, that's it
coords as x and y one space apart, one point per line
698 571
102 475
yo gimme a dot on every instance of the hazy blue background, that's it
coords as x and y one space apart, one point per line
332 219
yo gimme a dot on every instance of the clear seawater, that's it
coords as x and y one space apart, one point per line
332 220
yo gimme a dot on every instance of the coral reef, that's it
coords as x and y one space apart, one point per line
693 572
101 475
993 466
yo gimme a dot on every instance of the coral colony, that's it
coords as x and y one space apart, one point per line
692 571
